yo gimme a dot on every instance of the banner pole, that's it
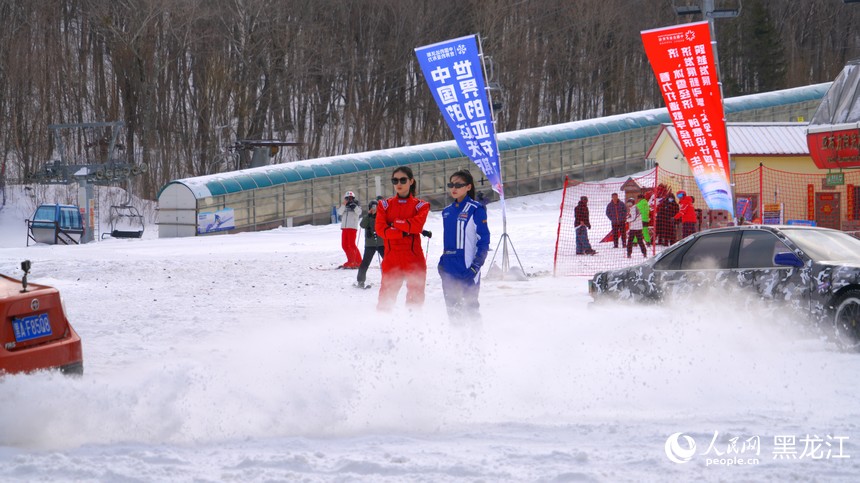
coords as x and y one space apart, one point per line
708 11
505 239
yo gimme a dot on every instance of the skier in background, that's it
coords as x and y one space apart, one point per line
687 214
616 211
582 224
645 213
655 199
666 212
349 211
372 243
400 223
634 223
466 242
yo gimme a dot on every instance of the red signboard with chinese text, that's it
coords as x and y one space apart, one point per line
683 63
834 146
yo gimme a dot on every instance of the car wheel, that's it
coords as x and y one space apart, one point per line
847 320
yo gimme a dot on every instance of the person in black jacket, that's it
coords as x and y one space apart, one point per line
616 211
666 212
372 243
582 225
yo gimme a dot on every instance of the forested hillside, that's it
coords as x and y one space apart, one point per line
189 77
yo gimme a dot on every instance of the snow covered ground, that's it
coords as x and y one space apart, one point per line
228 358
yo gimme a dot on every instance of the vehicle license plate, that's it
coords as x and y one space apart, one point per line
31 327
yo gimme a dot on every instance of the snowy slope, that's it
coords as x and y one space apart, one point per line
229 358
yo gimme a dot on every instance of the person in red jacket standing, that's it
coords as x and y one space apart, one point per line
400 222
687 214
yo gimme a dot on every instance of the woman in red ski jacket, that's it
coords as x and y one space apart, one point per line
399 222
687 214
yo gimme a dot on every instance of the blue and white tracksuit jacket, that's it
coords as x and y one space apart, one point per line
466 240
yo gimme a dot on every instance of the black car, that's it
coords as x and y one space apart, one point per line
813 270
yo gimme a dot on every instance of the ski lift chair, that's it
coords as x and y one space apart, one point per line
125 222
55 224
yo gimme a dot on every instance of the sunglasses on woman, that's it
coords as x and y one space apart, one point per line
457 185
401 180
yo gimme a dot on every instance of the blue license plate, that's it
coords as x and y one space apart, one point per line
31 327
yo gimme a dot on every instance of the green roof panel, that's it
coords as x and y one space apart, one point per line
321 171
262 179
341 167
413 157
388 161
225 183
231 185
278 177
305 172
246 182
363 165
216 188
451 152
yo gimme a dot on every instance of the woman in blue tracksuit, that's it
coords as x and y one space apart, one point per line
466 241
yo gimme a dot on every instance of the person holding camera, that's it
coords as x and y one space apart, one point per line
349 213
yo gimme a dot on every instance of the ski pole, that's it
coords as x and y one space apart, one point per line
429 235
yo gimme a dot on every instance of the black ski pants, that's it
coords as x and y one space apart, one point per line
369 252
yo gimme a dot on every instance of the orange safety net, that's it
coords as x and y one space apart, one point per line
764 195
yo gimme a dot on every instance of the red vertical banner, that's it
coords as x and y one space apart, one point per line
810 202
849 200
683 63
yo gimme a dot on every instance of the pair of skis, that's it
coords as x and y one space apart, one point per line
341 267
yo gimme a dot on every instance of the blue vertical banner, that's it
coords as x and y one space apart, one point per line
454 74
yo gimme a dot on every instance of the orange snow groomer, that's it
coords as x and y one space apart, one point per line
34 331
399 222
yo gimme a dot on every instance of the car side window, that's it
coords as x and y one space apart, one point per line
670 260
709 252
758 249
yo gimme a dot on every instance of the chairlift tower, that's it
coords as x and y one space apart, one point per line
101 167
262 149
710 11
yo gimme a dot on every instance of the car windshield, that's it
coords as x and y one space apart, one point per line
826 245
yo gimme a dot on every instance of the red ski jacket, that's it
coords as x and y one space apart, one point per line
399 222
686 210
